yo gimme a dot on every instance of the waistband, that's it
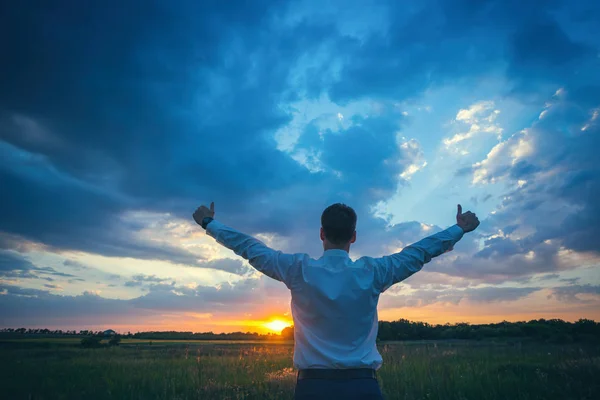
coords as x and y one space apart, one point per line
333 374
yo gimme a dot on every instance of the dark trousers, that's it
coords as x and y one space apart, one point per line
334 389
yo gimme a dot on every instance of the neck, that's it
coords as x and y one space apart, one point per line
346 247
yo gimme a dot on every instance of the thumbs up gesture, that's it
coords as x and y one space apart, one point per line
203 212
467 221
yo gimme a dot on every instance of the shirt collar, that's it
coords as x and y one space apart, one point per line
336 253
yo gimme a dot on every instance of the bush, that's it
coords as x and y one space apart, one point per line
288 333
91 341
115 340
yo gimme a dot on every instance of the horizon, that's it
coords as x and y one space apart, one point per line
116 124
269 331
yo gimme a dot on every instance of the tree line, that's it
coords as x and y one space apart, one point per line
150 335
547 330
554 330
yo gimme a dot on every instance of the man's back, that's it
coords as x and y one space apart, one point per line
334 305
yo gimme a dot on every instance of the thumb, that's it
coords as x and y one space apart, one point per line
212 207
459 211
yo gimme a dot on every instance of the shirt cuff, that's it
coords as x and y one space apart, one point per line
456 232
213 227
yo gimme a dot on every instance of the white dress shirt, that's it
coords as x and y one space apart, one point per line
334 299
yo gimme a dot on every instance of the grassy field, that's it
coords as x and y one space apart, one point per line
58 369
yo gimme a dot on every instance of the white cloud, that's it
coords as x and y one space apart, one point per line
495 166
413 158
480 118
470 115
592 121
411 169
311 159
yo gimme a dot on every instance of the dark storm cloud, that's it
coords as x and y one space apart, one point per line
438 42
74 217
369 145
141 113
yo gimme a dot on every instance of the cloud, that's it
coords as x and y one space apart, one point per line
553 182
571 293
431 44
497 294
486 295
141 279
413 158
370 140
541 50
11 261
14 265
54 287
21 306
235 266
480 118
75 265
90 179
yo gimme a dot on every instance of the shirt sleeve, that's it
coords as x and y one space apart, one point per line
395 268
273 263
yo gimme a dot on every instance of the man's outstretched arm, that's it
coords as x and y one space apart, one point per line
272 263
395 268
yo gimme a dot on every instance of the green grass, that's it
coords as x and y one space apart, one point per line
217 370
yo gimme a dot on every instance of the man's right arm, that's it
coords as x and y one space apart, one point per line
395 268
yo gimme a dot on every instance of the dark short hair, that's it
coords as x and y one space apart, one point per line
339 223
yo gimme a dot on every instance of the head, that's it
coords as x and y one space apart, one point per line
338 227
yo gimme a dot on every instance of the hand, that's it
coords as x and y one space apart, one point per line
203 212
467 221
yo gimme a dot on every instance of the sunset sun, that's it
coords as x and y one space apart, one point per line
276 325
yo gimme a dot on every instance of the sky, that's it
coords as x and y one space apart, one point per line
118 119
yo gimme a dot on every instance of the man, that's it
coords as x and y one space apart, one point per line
334 299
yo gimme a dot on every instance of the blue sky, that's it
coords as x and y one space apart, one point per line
118 120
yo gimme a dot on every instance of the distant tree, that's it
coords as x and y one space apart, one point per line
288 333
114 340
